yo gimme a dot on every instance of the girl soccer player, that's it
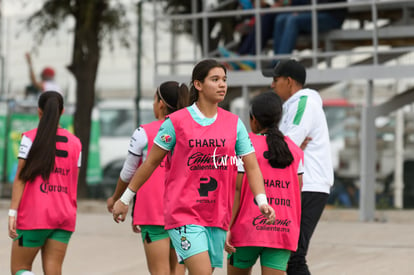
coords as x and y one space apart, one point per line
42 213
281 163
148 216
202 141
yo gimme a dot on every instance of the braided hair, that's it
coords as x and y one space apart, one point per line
266 108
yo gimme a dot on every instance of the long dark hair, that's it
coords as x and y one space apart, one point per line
41 158
200 72
267 109
175 95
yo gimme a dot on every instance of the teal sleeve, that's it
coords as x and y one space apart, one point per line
244 145
165 137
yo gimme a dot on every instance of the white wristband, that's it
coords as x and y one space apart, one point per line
261 199
127 196
12 213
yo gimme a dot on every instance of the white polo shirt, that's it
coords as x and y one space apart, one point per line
303 116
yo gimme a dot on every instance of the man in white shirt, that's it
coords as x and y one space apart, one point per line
304 121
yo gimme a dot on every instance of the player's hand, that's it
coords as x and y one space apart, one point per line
227 245
119 211
136 228
12 227
268 212
110 204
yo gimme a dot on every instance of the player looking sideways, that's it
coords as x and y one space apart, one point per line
199 189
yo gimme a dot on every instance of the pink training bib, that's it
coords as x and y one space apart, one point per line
283 194
149 205
202 169
52 204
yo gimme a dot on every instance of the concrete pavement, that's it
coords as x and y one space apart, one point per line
341 244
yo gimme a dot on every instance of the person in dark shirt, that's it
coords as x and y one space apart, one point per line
288 26
248 44
285 27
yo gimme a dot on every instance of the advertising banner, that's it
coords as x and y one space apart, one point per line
3 129
18 124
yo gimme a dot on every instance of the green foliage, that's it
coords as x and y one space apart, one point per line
108 20
95 22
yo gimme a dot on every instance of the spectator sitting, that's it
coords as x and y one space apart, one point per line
248 43
247 25
245 29
288 26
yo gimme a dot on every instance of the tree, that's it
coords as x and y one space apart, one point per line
96 22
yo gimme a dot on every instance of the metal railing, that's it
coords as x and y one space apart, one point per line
381 58
315 55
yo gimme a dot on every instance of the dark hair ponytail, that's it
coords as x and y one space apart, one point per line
200 72
41 158
175 95
267 109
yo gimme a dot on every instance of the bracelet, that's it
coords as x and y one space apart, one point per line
12 213
127 196
261 199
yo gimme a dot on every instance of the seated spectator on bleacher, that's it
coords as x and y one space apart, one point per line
248 43
285 28
288 26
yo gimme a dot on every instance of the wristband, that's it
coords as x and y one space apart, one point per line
127 196
261 199
12 213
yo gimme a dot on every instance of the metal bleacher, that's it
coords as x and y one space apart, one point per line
376 42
